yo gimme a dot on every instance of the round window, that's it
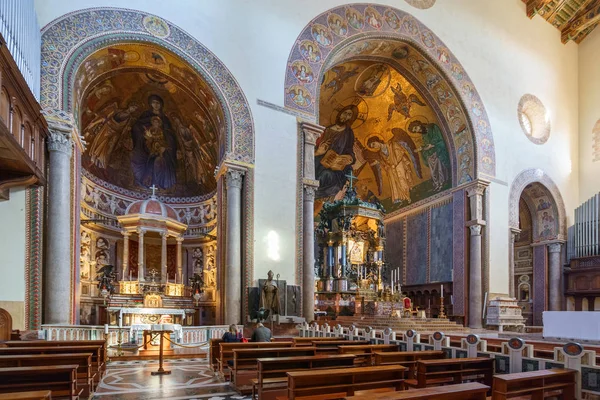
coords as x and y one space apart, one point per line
534 119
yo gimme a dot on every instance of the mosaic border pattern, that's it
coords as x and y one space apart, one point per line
395 25
34 211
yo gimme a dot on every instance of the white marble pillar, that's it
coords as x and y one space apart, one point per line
179 240
514 235
141 272
125 262
476 224
57 269
233 251
311 133
555 277
163 257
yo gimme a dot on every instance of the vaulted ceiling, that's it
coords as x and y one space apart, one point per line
574 18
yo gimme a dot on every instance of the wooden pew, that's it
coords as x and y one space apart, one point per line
537 384
308 341
37 395
462 391
98 361
214 353
245 363
341 382
453 371
365 352
61 380
331 346
272 372
226 351
85 372
407 359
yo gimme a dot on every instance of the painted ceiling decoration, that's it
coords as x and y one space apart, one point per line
369 30
383 130
574 18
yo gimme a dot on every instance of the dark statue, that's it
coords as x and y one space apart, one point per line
106 277
197 283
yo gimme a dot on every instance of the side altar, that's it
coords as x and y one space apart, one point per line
352 274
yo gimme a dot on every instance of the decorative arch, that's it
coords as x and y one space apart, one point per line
325 42
69 39
519 186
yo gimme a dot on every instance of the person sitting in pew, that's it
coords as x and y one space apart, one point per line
261 334
232 336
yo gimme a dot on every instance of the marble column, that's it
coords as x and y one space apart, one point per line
233 251
141 272
179 240
475 295
311 133
555 277
163 257
308 254
57 284
475 224
514 235
125 254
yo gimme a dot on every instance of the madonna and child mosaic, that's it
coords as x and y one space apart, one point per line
380 129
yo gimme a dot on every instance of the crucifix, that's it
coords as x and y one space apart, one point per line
351 178
153 188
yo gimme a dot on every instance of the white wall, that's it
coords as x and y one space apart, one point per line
589 113
12 249
505 54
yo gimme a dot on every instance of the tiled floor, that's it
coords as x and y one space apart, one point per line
189 379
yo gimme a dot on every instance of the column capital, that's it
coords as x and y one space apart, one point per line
234 178
126 234
140 231
179 239
554 247
164 235
476 229
477 189
309 192
311 132
59 141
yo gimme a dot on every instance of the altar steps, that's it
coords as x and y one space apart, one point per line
421 325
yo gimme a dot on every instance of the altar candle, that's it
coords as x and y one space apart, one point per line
130 275
442 290
106 329
120 321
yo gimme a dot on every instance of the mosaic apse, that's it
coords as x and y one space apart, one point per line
380 128
148 120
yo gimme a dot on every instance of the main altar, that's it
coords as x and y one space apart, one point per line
353 277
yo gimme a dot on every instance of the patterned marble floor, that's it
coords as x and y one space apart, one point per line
189 379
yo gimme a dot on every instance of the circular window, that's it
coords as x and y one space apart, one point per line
422 4
534 119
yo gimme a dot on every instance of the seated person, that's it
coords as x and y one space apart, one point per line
232 335
261 334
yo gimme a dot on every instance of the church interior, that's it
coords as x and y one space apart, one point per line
314 200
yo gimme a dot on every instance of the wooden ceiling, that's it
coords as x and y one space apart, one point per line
574 18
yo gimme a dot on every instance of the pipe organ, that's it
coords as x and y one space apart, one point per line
20 29
584 235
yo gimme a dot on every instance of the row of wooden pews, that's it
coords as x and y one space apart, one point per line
67 369
296 370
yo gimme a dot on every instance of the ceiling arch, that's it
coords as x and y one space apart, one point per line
328 39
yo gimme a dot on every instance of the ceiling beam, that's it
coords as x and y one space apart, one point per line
533 6
581 20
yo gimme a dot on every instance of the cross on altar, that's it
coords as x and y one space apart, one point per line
153 273
153 188
351 178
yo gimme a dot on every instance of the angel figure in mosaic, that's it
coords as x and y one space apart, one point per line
342 75
402 103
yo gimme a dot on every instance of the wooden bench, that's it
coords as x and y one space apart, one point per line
98 363
85 372
407 359
214 353
272 372
226 351
453 371
365 352
245 363
341 382
308 341
536 384
61 380
37 395
462 391
331 346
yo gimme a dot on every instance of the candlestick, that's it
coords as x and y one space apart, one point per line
442 290
106 329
